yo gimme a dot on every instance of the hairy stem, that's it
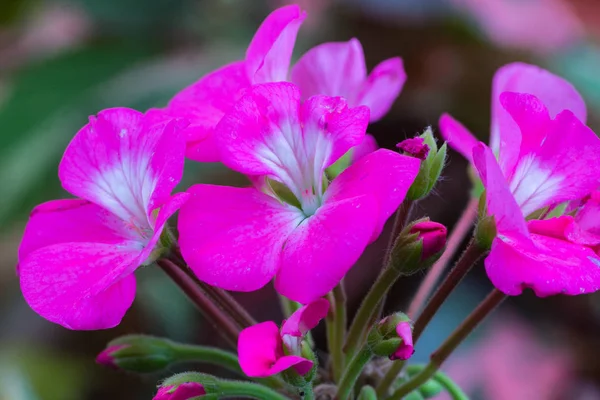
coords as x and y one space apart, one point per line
336 330
458 234
352 373
439 356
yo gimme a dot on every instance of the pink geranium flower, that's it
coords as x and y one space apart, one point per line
301 228
268 57
264 350
77 256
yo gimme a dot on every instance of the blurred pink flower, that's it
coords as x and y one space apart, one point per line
264 350
511 362
541 26
241 238
184 391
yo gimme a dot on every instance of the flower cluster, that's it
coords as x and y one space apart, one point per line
320 192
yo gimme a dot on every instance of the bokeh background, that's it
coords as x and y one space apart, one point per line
61 61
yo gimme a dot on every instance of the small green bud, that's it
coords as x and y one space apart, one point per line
485 232
367 393
430 389
138 353
392 337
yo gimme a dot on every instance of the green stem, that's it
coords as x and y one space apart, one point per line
468 259
239 389
450 344
389 378
352 373
448 384
368 310
308 392
336 330
288 307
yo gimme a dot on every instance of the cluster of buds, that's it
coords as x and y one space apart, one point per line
392 337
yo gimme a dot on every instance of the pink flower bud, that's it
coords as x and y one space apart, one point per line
433 235
185 391
106 357
415 147
406 349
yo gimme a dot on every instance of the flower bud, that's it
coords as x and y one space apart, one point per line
425 148
430 389
392 337
187 390
485 232
138 353
433 236
188 385
418 246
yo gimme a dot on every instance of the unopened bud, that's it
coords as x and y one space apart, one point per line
188 385
485 232
418 246
185 391
138 353
433 159
392 337
430 389
433 235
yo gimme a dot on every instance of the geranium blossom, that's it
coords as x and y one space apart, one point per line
264 350
77 256
240 238
268 57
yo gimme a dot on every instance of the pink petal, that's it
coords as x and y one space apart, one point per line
558 158
564 228
383 174
203 104
406 349
305 318
260 352
82 286
324 247
382 87
269 54
588 216
124 163
330 128
72 220
232 237
457 136
547 265
264 128
553 91
332 69
367 146
499 201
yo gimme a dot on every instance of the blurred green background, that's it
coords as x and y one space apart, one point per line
61 61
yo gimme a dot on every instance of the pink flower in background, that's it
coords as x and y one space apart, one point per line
514 363
184 391
305 231
539 254
555 94
542 26
264 350
268 57
77 256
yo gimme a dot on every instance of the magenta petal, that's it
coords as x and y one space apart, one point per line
332 69
500 202
232 237
383 174
554 92
406 349
324 247
203 104
547 265
125 162
81 286
305 318
382 87
260 352
269 54
367 146
457 136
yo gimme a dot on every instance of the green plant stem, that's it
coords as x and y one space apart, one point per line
439 356
468 259
389 378
402 215
223 299
352 373
458 234
308 392
239 389
224 323
336 330
369 310
288 307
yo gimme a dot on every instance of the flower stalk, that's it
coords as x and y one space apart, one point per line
336 330
439 356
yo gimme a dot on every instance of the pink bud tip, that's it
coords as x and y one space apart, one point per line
106 357
406 349
433 236
415 147
185 391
